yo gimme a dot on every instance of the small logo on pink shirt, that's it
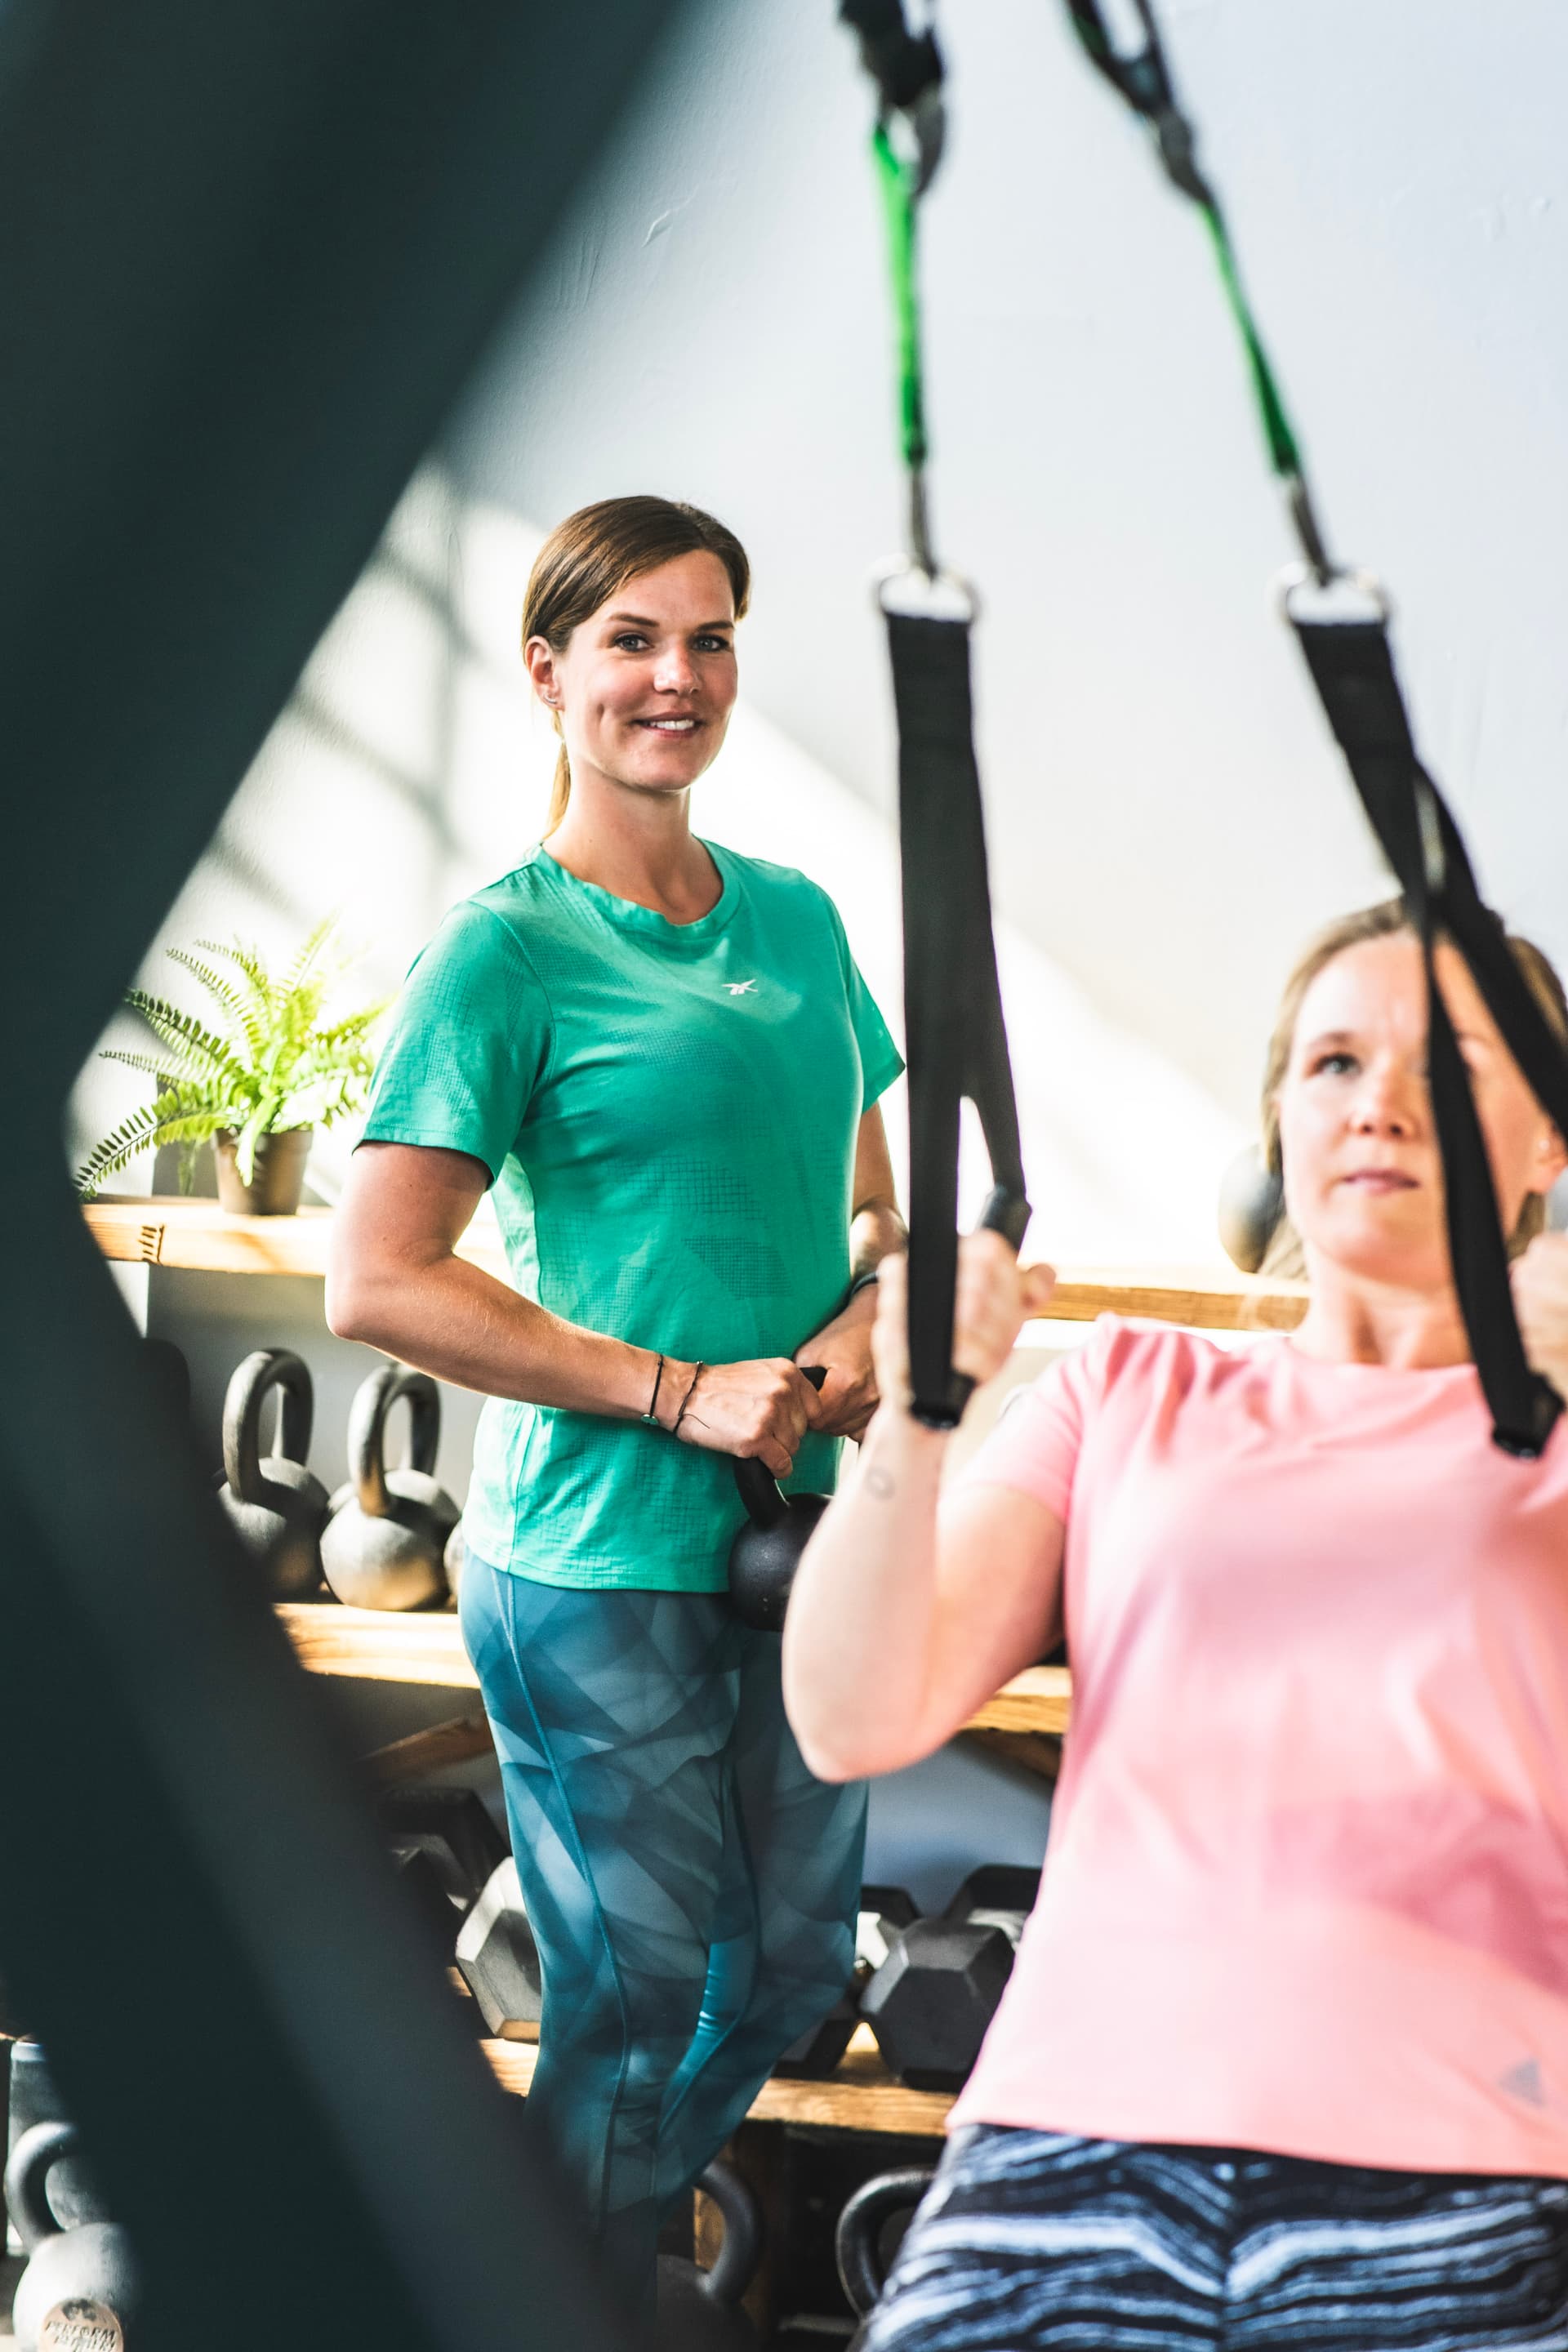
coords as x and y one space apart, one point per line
1523 2082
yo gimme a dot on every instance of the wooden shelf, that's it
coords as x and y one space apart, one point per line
860 2095
426 1645
163 1229
158 1230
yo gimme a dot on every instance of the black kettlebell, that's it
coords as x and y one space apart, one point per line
278 1506
863 2244
81 2285
700 2311
766 1552
383 1545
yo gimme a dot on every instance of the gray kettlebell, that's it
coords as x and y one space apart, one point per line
35 2098
277 1506
82 2285
385 1543
700 2311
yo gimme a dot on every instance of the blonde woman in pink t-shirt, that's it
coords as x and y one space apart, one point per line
1284 2058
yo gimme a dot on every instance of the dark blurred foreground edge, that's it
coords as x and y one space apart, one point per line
247 255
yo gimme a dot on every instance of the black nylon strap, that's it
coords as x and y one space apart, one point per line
953 1001
1352 665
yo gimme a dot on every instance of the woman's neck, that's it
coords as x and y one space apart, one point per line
1355 1320
638 846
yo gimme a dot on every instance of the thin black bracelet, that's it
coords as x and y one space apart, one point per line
861 1281
651 1415
686 1400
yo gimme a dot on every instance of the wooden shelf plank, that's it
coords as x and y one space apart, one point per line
426 1645
159 1229
1039 1699
861 2095
379 1645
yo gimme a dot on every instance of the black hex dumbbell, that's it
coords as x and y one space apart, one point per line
934 1996
884 1912
455 1829
498 1960
999 1894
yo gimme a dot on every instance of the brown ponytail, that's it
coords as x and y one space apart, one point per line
590 557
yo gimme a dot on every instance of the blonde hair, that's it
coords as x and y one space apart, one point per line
591 556
1283 1257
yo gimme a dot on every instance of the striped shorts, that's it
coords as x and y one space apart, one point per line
1030 2238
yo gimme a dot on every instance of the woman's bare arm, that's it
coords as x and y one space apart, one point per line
841 1347
394 1281
906 1617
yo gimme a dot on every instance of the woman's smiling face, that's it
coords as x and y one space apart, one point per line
645 686
1363 1180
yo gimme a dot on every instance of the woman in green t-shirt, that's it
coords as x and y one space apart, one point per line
662 1059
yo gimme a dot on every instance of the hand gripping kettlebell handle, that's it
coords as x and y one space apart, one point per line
367 1432
267 1368
765 1500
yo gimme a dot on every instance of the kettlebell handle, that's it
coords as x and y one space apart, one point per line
765 1500
741 2251
267 1368
27 2170
860 2226
367 1432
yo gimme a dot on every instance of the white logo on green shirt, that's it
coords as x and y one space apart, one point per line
739 987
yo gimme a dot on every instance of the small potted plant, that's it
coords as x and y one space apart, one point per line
257 1085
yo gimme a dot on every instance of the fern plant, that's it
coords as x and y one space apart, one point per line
268 1062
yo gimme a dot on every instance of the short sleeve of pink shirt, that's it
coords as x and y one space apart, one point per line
1307 1887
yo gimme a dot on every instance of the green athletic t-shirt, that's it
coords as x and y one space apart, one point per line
669 1113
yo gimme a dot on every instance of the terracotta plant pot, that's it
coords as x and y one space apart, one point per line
279 1177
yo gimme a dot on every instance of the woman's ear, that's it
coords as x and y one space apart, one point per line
539 658
1551 1161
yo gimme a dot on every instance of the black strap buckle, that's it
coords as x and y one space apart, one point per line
907 70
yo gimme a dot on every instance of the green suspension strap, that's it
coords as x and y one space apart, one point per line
1352 665
954 1031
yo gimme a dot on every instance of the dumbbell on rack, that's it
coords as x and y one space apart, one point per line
884 1911
934 1996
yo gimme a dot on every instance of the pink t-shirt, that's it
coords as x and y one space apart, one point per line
1307 1888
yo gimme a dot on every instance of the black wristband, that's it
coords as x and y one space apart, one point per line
651 1415
862 1281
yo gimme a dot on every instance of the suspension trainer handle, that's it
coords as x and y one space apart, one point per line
954 1021
954 1033
1352 665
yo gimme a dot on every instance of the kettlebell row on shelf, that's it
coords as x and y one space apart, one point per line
386 1539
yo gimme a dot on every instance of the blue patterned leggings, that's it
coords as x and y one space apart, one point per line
692 1886
1032 2238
